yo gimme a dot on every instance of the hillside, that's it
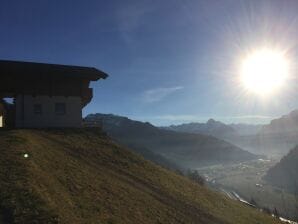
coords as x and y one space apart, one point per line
284 174
185 149
81 176
112 123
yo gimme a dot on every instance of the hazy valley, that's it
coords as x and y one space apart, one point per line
255 177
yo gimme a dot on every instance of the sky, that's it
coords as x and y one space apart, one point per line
169 62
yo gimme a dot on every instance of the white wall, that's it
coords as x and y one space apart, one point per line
25 116
1 121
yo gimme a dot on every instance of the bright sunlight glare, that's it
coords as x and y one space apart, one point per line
264 71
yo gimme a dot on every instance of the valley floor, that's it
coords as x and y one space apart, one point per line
246 179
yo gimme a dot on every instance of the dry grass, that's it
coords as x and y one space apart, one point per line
81 176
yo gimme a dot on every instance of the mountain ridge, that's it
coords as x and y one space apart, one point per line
185 149
284 124
284 173
211 127
217 128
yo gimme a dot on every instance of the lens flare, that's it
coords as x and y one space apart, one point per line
264 71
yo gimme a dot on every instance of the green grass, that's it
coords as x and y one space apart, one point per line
81 176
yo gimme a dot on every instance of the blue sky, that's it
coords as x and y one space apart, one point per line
169 61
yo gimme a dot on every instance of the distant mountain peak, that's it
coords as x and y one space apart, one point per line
212 121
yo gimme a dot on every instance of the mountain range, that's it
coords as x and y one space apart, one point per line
244 136
187 150
216 129
212 127
274 139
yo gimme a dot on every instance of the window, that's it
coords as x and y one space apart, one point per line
60 108
1 122
37 109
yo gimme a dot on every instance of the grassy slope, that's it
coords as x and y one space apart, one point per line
80 176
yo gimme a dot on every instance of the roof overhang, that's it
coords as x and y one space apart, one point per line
21 69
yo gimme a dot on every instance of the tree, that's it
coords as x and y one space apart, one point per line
266 210
275 213
195 176
253 202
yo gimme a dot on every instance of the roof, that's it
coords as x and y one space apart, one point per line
33 68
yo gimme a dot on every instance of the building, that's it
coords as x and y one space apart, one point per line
44 95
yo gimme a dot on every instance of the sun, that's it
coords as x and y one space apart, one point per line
264 71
